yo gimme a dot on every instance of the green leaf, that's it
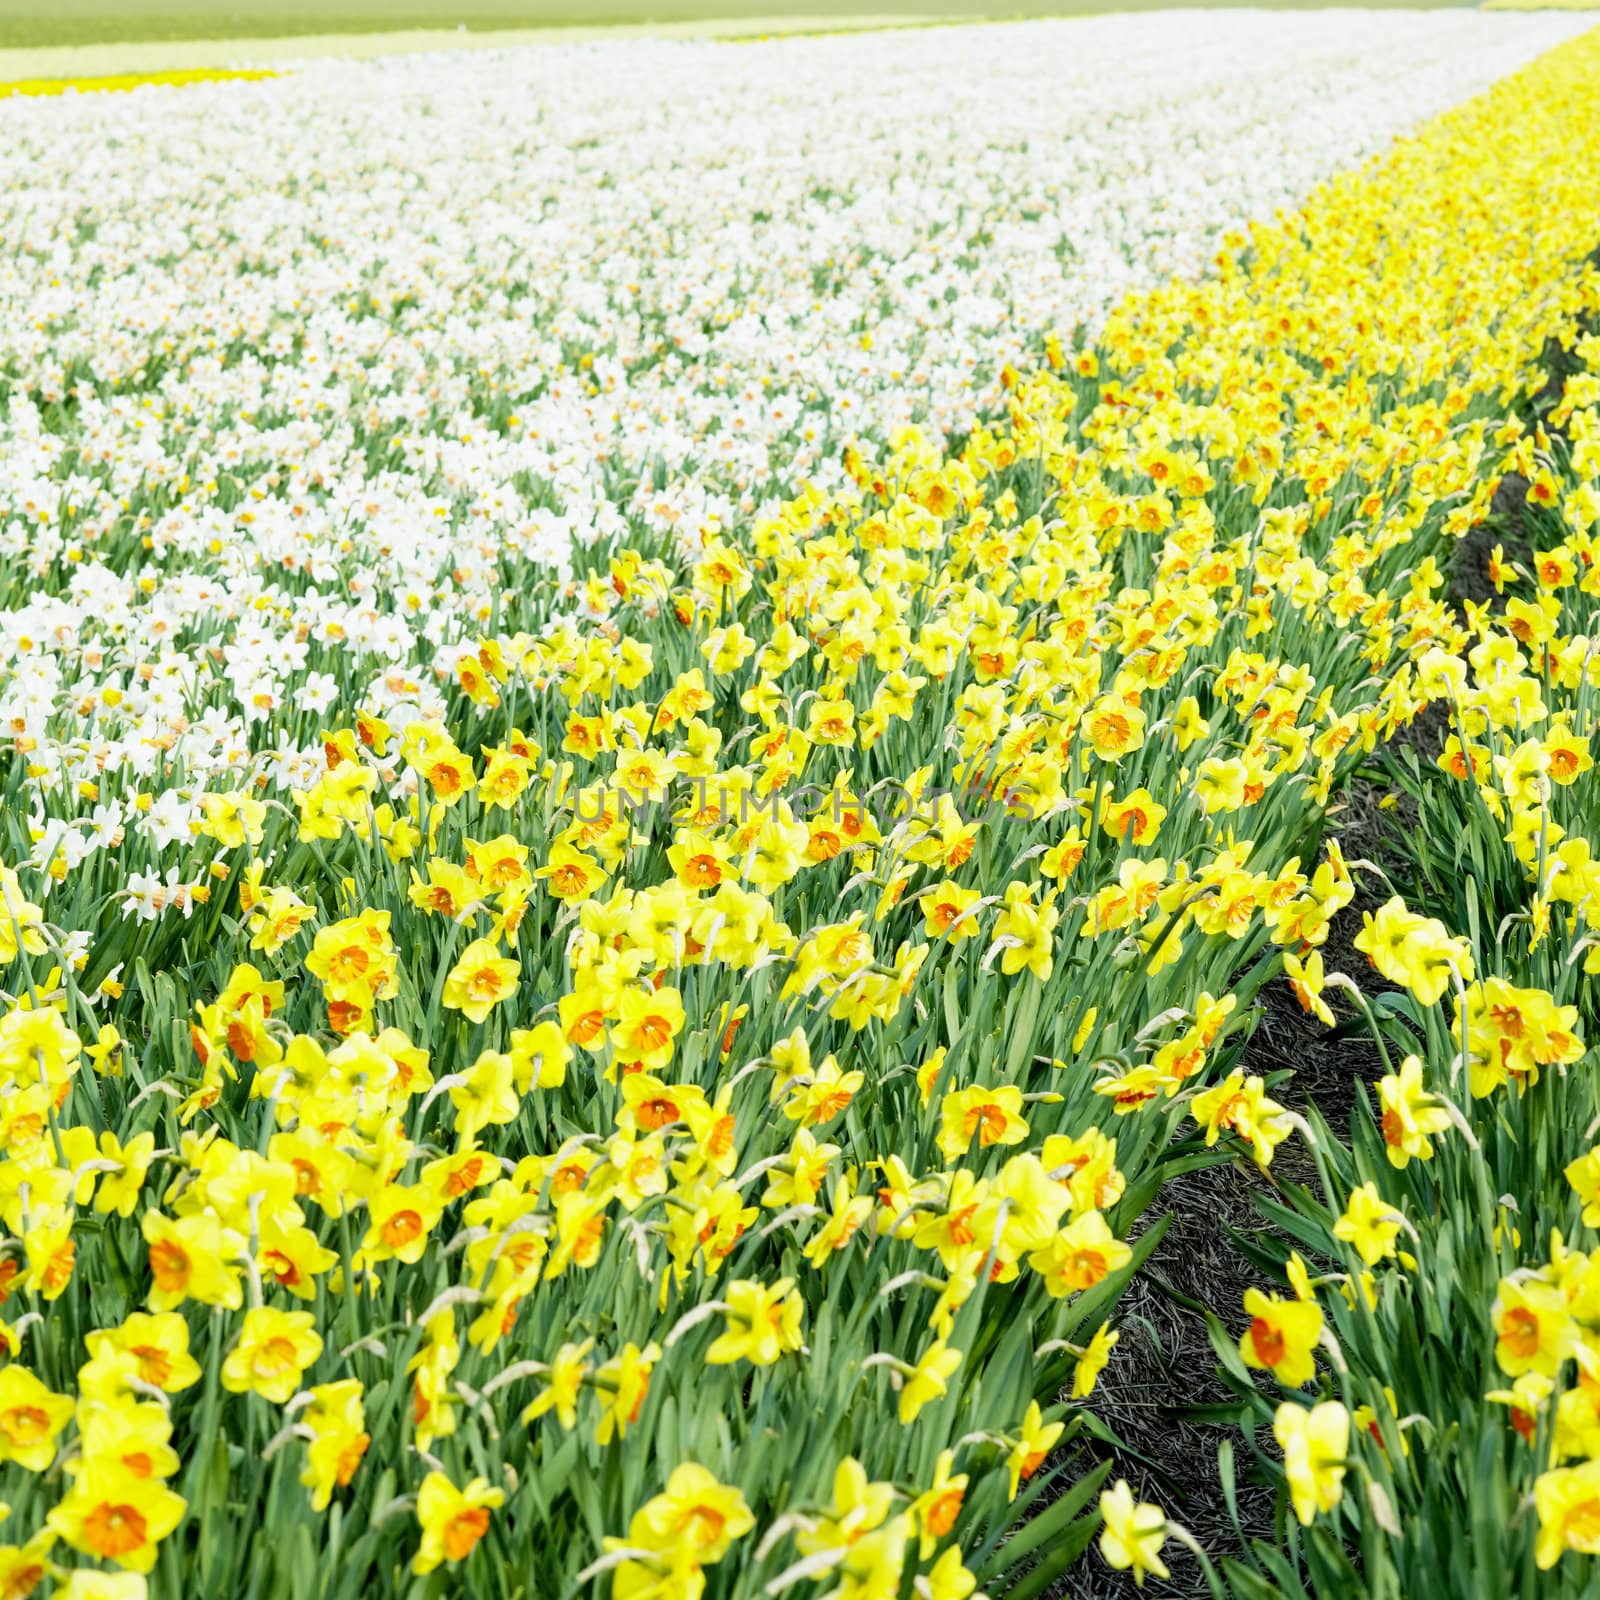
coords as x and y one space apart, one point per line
1045 1526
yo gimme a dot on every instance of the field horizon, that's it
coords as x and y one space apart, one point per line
83 23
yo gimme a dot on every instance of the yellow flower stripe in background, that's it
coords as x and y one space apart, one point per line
776 1245
131 80
1540 5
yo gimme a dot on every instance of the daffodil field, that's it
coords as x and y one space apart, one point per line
667 713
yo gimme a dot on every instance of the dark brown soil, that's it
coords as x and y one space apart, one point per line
1164 1366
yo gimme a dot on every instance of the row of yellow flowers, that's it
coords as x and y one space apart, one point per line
1467 1296
1439 1275
120 82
